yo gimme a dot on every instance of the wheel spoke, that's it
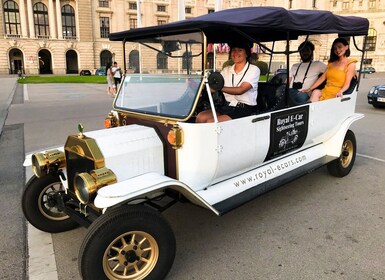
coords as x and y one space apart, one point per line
124 243
116 267
132 241
143 259
114 258
142 241
115 249
125 271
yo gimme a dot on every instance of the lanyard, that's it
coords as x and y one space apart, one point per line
232 81
296 72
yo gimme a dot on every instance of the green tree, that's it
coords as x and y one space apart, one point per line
263 66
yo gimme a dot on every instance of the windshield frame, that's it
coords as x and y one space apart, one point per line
200 88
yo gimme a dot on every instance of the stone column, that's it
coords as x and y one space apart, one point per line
58 20
51 19
23 19
31 23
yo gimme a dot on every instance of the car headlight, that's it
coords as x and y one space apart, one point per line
371 91
86 184
43 163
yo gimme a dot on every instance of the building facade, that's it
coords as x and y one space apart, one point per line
66 36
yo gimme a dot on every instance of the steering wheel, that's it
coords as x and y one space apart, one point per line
216 81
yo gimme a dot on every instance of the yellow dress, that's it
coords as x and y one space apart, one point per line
335 80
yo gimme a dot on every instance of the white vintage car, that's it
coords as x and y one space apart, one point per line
116 181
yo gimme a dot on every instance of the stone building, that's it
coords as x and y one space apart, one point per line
65 36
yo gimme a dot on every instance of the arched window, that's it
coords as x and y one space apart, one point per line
187 60
12 18
133 62
40 16
161 61
105 58
371 40
68 20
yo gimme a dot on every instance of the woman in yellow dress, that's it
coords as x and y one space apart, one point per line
338 75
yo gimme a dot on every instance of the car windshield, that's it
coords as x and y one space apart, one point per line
166 79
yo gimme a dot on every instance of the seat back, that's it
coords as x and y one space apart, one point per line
352 85
271 97
278 79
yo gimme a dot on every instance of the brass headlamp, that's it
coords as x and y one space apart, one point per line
42 163
86 184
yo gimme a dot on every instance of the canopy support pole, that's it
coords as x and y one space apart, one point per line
363 50
270 60
287 53
124 57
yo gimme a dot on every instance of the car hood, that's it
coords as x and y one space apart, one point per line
130 150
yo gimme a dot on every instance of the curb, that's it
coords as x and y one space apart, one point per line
4 111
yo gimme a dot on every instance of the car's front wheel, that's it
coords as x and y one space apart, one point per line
129 242
342 166
40 207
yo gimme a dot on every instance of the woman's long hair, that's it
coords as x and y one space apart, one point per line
108 66
333 56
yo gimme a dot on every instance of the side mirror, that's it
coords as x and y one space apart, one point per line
216 81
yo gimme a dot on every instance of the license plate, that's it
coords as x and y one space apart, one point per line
381 99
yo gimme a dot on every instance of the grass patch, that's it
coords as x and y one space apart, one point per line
62 79
75 79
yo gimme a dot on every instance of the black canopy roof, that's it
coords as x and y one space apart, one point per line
260 23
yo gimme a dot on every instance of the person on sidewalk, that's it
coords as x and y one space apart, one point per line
111 88
117 73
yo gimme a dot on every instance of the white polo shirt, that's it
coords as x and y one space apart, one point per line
250 74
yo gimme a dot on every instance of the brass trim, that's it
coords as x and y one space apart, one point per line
112 119
89 183
178 135
43 163
85 147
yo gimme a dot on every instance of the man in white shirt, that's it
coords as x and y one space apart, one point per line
305 73
117 73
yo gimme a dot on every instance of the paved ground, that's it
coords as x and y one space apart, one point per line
13 248
35 260
12 223
8 85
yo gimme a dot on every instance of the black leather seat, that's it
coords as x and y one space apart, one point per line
352 86
278 79
272 95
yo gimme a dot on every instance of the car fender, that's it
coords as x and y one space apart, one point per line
333 145
143 186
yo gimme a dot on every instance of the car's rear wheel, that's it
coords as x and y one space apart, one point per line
342 166
129 242
40 207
